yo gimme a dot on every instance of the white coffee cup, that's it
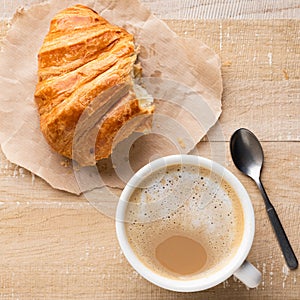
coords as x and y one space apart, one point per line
237 265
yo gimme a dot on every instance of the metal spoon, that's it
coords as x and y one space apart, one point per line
248 156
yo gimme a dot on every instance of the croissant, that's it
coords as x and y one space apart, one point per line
86 68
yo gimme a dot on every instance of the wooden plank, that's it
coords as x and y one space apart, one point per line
199 9
224 9
249 49
281 170
73 252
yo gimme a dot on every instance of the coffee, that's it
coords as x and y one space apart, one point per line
184 221
181 255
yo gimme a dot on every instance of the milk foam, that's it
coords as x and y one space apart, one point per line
189 201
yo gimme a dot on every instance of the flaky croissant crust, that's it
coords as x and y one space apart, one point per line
82 56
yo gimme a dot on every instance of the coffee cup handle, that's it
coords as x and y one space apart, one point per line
248 274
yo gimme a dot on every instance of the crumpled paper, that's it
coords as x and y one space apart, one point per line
183 75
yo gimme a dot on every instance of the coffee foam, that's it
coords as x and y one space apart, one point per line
185 200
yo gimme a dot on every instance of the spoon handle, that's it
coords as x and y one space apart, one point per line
284 243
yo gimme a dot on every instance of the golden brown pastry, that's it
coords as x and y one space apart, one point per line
86 65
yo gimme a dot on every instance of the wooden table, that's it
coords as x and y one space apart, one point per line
54 245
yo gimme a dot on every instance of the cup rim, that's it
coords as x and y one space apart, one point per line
197 284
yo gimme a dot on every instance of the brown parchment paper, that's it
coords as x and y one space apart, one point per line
183 75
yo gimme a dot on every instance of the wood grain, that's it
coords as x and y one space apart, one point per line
198 9
224 9
58 246
70 253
